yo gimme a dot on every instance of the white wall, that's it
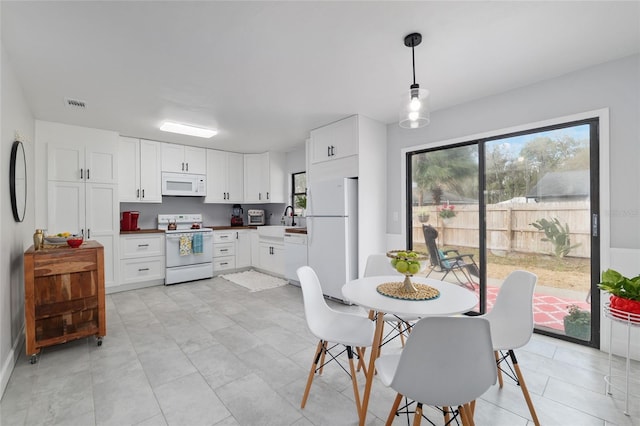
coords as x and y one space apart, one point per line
614 86
15 116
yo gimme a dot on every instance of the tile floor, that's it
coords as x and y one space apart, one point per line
212 353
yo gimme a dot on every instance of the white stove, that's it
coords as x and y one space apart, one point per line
189 248
183 222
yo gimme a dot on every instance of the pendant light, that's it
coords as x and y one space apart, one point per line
414 111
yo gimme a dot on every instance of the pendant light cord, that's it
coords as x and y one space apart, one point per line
413 61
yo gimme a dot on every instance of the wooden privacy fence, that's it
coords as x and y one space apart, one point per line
509 226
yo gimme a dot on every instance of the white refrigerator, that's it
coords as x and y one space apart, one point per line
332 232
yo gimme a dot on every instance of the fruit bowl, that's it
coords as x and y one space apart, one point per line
75 242
408 263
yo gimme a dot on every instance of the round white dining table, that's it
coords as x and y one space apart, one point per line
453 299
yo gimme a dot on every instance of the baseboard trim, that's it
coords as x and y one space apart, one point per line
10 362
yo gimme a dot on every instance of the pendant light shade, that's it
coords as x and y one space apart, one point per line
414 109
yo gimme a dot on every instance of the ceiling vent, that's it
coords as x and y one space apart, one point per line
75 103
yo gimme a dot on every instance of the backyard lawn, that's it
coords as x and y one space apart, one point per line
570 273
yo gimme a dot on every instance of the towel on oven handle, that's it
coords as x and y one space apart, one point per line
196 244
185 244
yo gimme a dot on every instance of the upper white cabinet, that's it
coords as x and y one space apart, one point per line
82 158
225 177
139 170
264 178
183 159
359 150
82 186
334 141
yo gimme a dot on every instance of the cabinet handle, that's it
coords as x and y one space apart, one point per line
88 234
333 150
328 151
237 235
143 193
183 167
259 195
221 250
87 174
224 263
81 174
143 245
267 195
137 193
222 237
143 269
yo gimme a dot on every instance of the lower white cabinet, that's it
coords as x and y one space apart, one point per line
231 249
224 250
272 255
243 248
142 259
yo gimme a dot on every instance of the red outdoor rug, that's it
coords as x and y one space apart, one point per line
548 311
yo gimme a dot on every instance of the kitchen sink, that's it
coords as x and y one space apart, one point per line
272 231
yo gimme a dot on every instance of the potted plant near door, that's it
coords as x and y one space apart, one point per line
625 294
577 323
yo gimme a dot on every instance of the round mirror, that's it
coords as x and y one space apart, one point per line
18 181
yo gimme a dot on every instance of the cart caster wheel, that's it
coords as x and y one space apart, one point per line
99 343
33 359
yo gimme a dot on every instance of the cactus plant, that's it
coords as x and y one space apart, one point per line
556 234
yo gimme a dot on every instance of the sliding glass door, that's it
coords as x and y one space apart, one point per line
525 200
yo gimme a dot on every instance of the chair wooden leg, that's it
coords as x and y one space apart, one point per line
324 352
466 415
500 382
417 419
312 373
399 327
472 405
354 381
445 412
394 409
361 363
524 389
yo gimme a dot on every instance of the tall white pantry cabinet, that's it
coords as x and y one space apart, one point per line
80 166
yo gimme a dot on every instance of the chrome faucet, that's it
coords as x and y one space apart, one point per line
293 222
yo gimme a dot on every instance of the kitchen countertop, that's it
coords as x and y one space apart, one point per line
143 231
227 227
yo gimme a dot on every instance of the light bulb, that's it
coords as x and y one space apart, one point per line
414 115
414 125
415 104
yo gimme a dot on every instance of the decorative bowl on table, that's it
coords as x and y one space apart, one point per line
408 263
55 239
75 241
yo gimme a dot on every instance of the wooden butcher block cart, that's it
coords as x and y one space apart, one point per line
64 295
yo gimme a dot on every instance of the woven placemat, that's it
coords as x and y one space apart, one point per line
397 291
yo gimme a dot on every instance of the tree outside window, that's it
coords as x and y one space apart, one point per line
299 192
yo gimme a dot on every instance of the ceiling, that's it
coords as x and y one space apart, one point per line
265 73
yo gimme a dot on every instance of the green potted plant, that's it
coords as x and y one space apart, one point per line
624 291
577 323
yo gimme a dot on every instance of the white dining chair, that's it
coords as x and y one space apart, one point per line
511 322
434 369
332 327
380 265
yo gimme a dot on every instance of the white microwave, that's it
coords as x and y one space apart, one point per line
183 184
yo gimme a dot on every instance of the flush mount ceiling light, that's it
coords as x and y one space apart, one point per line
414 111
183 129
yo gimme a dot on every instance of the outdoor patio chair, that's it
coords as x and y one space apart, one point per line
461 266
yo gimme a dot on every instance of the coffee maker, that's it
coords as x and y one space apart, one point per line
129 221
236 215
